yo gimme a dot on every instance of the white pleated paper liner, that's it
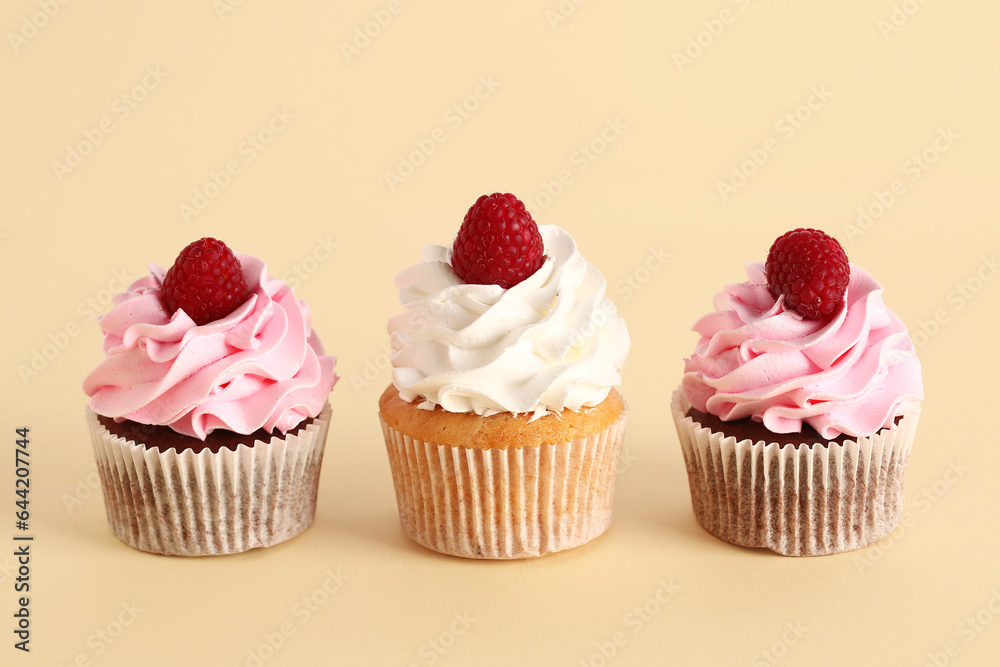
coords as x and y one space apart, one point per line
795 501
203 504
505 503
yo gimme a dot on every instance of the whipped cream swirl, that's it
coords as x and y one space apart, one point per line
261 366
552 342
851 372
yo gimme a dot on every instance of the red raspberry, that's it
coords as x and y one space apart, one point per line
498 243
810 268
206 282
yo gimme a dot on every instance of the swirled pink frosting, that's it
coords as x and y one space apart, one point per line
261 366
852 372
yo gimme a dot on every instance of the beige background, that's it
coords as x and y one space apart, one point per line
887 82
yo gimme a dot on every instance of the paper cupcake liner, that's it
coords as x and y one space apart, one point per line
189 504
796 501
505 503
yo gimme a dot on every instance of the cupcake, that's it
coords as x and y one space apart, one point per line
798 408
502 423
209 413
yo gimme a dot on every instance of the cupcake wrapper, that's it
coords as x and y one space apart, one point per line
204 504
796 501
505 503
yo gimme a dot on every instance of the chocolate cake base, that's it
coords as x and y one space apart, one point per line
748 429
163 438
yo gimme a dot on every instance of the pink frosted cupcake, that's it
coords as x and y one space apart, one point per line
209 413
798 408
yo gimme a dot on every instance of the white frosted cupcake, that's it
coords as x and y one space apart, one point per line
209 413
798 408
502 423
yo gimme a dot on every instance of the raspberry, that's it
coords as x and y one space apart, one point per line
498 243
810 268
206 282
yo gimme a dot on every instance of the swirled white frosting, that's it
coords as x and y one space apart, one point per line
552 342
